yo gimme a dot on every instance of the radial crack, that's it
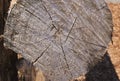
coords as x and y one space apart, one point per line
40 55
96 44
35 16
49 15
66 60
102 7
71 29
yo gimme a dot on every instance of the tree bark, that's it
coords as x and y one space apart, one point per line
8 58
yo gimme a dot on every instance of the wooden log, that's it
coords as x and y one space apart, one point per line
64 38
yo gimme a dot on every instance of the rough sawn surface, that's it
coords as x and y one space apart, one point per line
64 38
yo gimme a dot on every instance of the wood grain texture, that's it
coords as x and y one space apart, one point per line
64 38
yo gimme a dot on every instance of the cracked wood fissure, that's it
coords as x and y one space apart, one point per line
71 29
64 38
49 15
66 59
40 55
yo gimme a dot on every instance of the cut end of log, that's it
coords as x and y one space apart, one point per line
63 38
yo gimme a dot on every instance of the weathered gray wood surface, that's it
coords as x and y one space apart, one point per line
64 38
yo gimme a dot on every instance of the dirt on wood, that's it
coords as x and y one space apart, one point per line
114 49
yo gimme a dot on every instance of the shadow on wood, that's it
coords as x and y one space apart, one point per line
103 71
8 71
26 71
